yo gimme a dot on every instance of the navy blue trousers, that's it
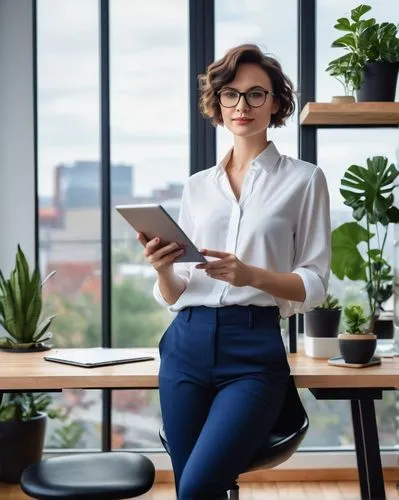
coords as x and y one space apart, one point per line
222 382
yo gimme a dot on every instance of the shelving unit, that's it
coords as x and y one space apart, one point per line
366 114
323 115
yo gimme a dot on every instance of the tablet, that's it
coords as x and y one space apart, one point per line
154 221
90 357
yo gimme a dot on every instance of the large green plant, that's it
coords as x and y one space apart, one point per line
369 192
365 41
21 306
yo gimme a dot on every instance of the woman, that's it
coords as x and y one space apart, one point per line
263 220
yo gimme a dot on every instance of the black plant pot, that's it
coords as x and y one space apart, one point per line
21 444
357 349
379 82
322 322
383 328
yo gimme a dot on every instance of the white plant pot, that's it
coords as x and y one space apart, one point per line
321 347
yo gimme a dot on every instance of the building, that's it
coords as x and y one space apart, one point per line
79 185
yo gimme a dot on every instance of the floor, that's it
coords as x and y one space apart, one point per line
329 490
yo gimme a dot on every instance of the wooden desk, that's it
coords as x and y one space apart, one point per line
28 371
23 372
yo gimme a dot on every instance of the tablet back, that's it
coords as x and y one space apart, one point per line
154 221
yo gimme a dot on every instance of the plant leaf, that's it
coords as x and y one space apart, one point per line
359 11
42 328
343 24
346 259
369 190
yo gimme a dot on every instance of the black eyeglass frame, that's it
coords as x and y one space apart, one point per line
243 94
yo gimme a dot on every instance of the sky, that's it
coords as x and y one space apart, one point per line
149 84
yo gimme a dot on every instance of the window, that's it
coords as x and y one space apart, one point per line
150 136
150 163
69 195
275 31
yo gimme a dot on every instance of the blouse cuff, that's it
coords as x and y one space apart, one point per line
314 290
158 295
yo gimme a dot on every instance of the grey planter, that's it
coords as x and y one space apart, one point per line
379 82
322 322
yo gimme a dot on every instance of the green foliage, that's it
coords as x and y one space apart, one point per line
68 436
355 319
365 41
137 320
330 302
369 192
347 70
25 405
21 306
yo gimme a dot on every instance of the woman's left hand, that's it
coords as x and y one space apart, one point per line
228 268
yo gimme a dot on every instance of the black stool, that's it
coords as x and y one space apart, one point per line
90 476
287 434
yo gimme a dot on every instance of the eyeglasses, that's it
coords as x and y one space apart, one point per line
255 98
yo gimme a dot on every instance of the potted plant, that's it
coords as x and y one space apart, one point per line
343 70
22 431
321 329
323 320
369 192
371 63
21 308
357 344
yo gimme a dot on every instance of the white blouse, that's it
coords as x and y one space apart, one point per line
281 222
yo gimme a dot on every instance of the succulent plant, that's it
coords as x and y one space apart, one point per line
25 405
21 306
355 319
330 302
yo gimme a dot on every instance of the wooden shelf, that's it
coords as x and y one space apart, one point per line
356 113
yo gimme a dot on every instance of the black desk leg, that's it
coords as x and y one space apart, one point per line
367 449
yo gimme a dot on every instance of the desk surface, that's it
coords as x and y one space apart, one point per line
30 371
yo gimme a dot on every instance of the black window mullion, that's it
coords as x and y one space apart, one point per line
307 136
105 178
202 49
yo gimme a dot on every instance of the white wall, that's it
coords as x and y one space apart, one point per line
17 190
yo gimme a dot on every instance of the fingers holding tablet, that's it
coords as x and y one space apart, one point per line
159 255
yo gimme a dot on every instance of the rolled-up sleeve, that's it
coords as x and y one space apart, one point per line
181 269
313 242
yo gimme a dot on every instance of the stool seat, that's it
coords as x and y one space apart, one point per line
90 476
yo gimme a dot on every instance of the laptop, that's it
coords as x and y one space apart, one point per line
91 357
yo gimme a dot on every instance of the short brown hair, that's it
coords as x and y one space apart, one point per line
223 71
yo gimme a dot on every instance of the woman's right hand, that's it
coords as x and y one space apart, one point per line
160 256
